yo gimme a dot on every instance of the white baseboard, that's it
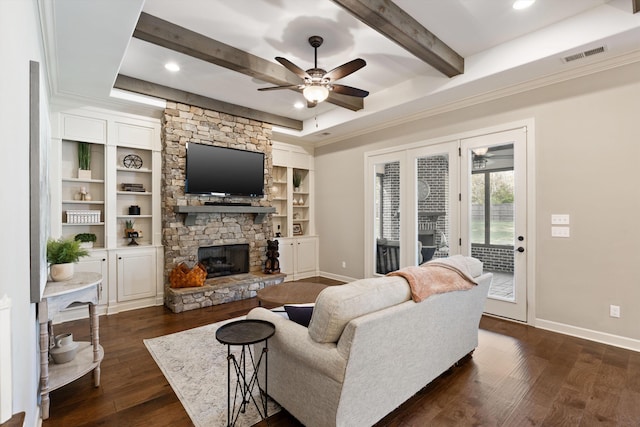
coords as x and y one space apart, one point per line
588 334
345 279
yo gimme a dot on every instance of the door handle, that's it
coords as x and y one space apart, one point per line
520 249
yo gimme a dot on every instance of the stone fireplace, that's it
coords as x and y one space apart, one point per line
184 239
224 260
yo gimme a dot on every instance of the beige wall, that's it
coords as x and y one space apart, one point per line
587 140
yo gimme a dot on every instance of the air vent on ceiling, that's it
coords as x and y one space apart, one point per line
584 54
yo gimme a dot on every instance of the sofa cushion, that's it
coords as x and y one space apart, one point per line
338 305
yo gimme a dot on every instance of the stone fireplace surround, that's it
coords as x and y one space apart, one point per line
181 124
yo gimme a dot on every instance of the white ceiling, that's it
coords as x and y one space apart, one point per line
89 42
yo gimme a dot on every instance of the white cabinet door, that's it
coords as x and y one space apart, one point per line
298 257
286 257
96 262
136 274
306 255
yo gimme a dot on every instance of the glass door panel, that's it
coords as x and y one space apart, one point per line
433 196
387 216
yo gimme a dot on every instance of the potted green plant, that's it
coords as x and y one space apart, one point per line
62 254
297 180
86 240
84 160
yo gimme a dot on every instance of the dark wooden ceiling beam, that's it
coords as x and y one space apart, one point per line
390 20
158 91
163 33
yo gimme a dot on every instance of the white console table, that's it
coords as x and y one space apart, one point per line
82 289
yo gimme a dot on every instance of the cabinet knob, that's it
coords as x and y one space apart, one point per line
104 259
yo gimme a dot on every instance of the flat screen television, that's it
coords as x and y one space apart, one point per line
221 171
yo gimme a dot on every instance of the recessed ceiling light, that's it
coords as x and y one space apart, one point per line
298 105
172 66
522 4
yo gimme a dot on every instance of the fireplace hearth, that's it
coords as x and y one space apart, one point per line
224 260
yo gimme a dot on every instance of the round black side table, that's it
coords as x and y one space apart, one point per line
244 333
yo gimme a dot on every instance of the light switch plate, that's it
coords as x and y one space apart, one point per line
560 232
560 219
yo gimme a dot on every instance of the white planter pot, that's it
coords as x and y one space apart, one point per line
61 272
84 174
86 245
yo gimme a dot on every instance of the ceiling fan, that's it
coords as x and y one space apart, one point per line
317 82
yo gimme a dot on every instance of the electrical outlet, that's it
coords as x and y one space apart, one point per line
614 311
557 219
344 264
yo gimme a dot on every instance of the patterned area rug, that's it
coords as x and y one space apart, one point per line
195 364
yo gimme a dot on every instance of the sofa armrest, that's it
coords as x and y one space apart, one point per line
294 342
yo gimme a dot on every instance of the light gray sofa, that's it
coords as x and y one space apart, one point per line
369 347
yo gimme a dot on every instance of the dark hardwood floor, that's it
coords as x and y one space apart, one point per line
518 376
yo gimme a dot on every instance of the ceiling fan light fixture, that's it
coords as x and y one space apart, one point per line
315 93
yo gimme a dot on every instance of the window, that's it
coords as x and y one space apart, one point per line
492 219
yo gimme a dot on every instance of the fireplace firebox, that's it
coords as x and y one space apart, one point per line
224 260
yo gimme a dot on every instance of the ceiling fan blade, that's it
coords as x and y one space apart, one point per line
345 69
293 67
348 90
279 87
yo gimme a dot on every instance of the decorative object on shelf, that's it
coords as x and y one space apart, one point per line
86 240
301 201
184 277
297 180
83 193
62 254
130 186
294 202
297 229
83 216
132 161
84 160
278 234
130 233
274 190
134 210
272 265
65 348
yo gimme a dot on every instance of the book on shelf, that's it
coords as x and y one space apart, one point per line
133 187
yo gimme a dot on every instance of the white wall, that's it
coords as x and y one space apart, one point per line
20 42
587 151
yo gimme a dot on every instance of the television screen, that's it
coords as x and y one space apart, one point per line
224 171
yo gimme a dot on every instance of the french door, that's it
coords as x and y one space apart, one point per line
465 196
494 215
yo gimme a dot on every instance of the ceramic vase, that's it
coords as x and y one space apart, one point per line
65 348
61 272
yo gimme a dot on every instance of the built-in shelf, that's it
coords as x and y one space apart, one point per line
193 211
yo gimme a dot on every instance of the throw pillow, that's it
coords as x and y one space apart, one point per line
300 314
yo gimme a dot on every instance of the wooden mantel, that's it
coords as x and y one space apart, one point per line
193 211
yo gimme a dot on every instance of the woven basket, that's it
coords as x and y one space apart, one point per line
183 277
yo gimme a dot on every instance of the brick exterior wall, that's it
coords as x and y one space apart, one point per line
181 124
494 259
